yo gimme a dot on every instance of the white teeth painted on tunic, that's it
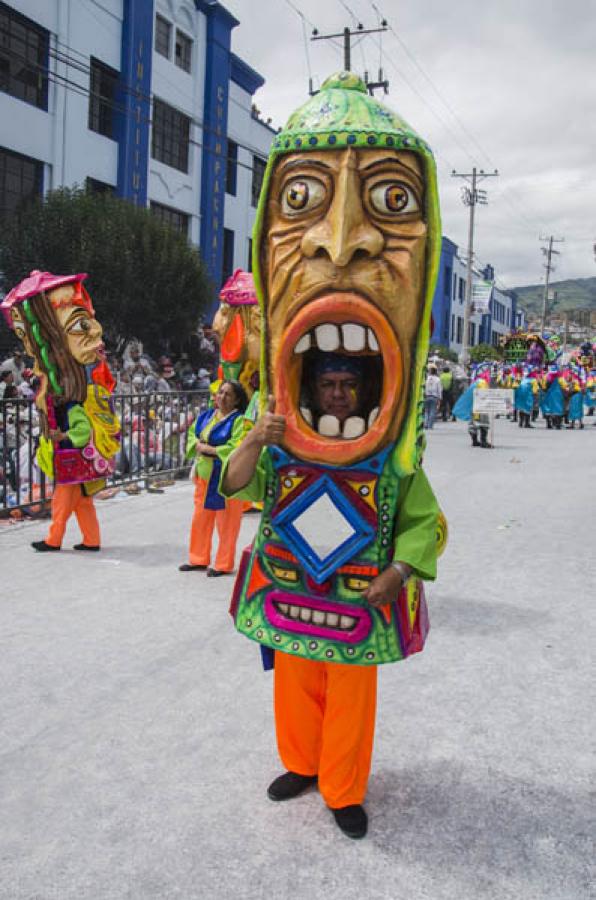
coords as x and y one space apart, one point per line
317 617
303 344
306 414
354 426
329 426
373 417
372 340
327 337
354 337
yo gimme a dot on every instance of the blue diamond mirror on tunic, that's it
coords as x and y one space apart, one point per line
322 528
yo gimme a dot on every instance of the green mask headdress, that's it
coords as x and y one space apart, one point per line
343 115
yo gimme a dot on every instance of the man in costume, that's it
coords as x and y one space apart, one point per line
346 248
54 317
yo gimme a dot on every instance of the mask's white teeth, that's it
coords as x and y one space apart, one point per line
354 337
372 340
327 337
318 617
332 620
329 426
303 344
346 622
305 614
284 607
373 416
306 414
294 612
354 426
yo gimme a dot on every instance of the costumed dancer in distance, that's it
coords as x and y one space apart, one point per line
478 422
54 317
214 428
346 247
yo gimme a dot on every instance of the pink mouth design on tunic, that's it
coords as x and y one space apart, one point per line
299 614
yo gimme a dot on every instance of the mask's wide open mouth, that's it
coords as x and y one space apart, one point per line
338 333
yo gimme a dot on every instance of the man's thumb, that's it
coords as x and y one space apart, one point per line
271 403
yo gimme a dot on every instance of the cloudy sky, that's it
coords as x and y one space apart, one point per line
506 84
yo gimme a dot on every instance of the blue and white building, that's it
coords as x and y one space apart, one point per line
140 97
503 316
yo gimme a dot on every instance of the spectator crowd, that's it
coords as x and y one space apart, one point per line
157 400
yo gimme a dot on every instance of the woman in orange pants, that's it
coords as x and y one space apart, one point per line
214 429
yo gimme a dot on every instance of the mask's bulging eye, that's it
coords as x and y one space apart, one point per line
80 326
301 195
391 198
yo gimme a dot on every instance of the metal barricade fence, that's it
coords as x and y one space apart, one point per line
154 428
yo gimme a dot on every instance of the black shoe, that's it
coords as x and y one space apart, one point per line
87 547
215 573
352 820
188 567
289 785
42 547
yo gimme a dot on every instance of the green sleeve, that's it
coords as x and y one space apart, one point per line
191 441
79 426
416 531
255 489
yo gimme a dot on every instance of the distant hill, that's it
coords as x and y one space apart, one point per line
575 293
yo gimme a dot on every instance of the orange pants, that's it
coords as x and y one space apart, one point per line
325 724
66 500
201 532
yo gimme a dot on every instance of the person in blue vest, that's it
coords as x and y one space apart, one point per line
575 402
214 429
524 399
553 399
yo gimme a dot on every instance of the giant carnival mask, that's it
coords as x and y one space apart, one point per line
345 255
54 318
237 324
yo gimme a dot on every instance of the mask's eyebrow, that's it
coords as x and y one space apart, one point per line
302 163
395 164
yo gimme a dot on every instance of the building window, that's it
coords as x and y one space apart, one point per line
93 186
258 171
452 327
175 219
183 51
163 31
472 334
170 136
20 180
228 254
23 58
462 287
460 329
447 281
102 96
249 266
231 167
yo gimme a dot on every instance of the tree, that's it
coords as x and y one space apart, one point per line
442 352
485 351
145 280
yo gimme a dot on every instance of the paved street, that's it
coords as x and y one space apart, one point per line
137 738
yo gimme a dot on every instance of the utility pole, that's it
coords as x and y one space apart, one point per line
470 197
549 253
347 34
